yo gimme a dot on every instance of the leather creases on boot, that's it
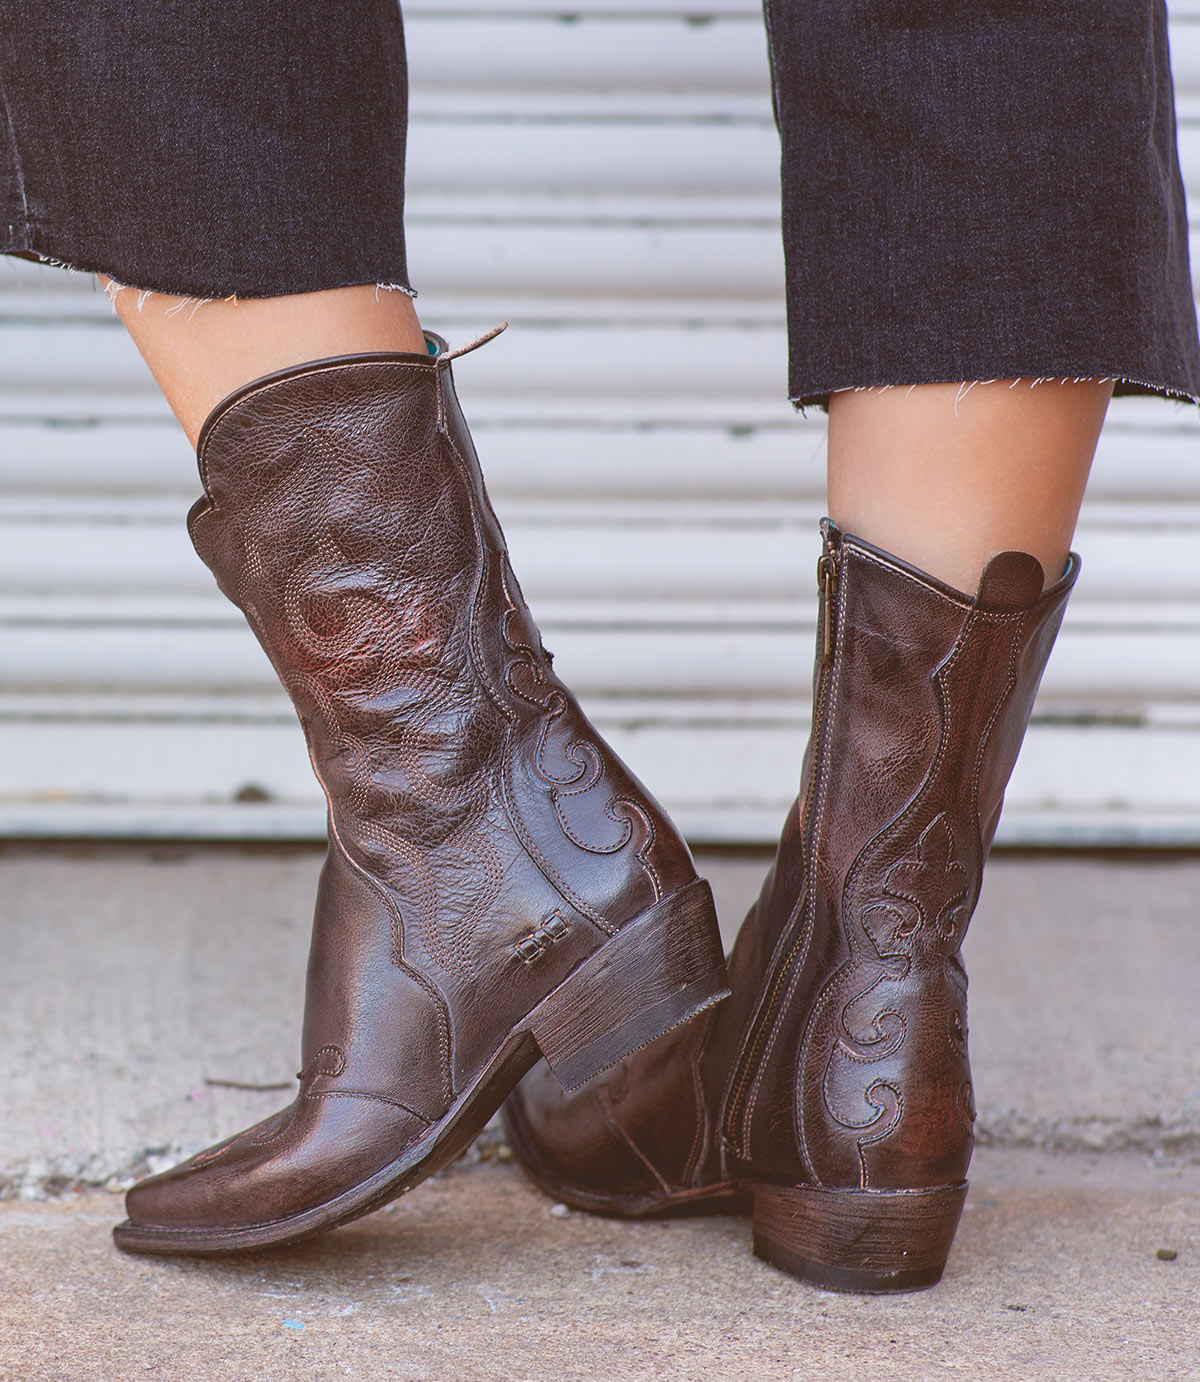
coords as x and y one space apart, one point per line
498 885
833 1089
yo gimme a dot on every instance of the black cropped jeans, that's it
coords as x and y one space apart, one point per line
970 191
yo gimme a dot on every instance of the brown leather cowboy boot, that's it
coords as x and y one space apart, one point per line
833 1089
498 884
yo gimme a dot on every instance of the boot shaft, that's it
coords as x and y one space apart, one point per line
498 885
472 804
848 1059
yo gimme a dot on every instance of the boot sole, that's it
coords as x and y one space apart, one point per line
659 971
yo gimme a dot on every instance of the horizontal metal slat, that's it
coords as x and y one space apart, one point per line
555 365
565 271
503 59
722 783
633 551
1098 668
600 269
1148 450
643 50
688 159
502 69
611 371
569 11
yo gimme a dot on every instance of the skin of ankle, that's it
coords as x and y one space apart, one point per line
200 351
944 476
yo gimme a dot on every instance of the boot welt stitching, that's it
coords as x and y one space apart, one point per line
378 1098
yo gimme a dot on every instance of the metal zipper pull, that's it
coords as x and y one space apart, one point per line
827 581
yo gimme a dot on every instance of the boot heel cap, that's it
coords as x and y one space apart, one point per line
658 971
869 1241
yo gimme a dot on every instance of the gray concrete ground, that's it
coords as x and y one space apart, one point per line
134 976
472 1278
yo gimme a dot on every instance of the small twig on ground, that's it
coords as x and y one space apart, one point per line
242 1084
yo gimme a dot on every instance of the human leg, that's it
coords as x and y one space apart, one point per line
982 195
199 352
497 883
948 475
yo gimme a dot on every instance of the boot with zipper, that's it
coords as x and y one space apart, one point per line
832 1094
498 886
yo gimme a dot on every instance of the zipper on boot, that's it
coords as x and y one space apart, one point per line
828 572
827 581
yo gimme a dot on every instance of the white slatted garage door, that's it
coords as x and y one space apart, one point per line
606 181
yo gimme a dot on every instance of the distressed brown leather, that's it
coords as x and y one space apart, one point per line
483 839
841 1059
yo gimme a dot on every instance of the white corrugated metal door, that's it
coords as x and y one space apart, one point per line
607 181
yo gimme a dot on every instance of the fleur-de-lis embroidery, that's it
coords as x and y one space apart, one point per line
932 881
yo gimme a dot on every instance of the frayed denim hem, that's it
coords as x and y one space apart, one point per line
195 293
1123 384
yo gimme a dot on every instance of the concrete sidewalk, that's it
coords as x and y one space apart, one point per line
474 1277
135 976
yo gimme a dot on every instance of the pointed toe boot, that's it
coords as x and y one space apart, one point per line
498 886
832 1093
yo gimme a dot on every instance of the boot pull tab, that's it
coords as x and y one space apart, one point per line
476 343
1010 581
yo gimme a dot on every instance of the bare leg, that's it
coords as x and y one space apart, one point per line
198 355
945 476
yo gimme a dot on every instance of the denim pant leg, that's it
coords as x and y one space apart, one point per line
206 147
981 191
